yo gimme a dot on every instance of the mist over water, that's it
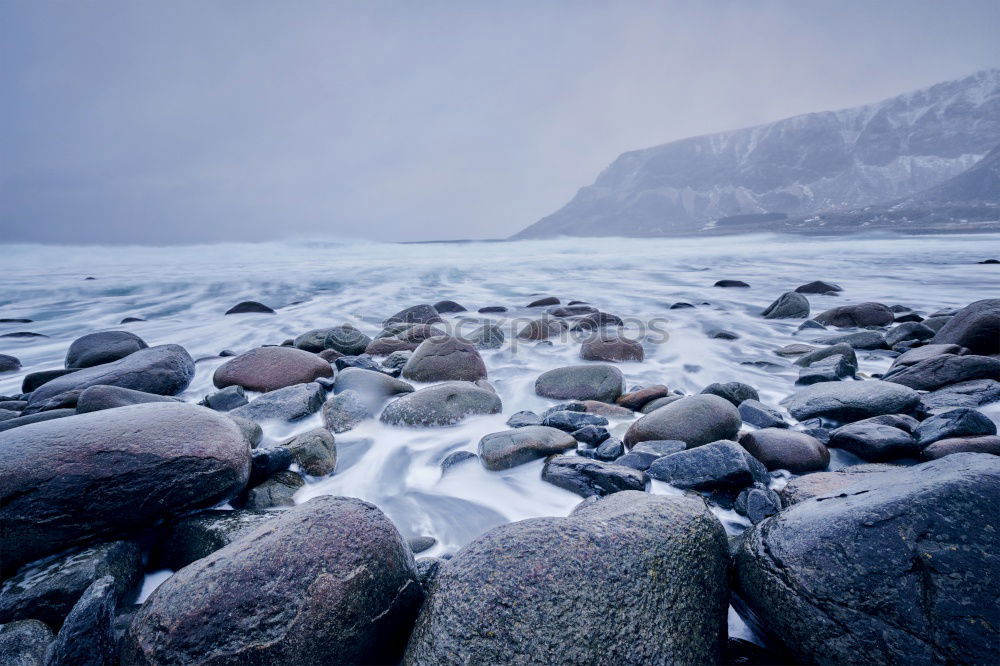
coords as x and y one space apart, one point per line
184 291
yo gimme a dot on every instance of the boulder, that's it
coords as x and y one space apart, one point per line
945 447
975 327
790 305
346 339
581 382
249 307
66 481
87 636
603 585
715 466
779 448
757 502
442 404
345 410
419 332
285 404
97 348
917 354
510 448
265 463
163 370
874 442
945 369
38 417
610 450
590 478
314 450
417 314
898 567
611 349
571 421
734 392
23 643
96 398
962 422
841 349
830 369
271 368
818 287
445 307
964 394
200 535
524 418
445 358
695 420
858 315
330 581
852 401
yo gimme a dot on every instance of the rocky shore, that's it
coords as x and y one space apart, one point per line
106 475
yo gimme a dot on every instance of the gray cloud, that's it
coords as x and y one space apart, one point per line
190 121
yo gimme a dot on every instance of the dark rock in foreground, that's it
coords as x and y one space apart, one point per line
629 579
445 358
202 534
779 448
719 465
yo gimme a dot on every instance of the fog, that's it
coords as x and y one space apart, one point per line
183 122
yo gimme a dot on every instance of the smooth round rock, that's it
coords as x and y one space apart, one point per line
852 401
96 398
581 382
445 358
945 447
779 448
818 287
695 420
417 314
9 363
270 368
975 327
790 305
611 349
104 347
858 315
510 448
441 405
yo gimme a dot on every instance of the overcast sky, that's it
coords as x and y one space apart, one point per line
177 122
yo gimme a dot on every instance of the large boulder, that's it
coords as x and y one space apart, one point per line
629 579
945 370
780 448
898 567
163 370
330 581
510 448
851 401
695 420
442 404
860 314
66 481
104 347
271 368
975 327
581 382
444 358
790 305
96 398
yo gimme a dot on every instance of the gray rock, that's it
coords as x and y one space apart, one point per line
397 359
314 450
442 404
163 370
417 314
570 421
47 589
202 534
104 347
945 369
345 410
87 636
542 329
24 643
636 400
964 394
330 581
524 418
372 387
917 354
33 380
581 382
718 465
975 327
805 487
852 401
874 442
69 480
757 503
794 349
510 448
271 368
908 331
758 414
860 315
610 450
779 448
842 349
279 490
861 340
389 346
456 458
790 305
962 422
445 358
487 336
734 392
9 363
448 306
346 339
694 420
653 405
544 590
290 403
644 454
251 430
590 478
945 447
421 543
818 287
265 463
611 348
96 398
830 369
249 307
227 399
898 567
546 300
902 421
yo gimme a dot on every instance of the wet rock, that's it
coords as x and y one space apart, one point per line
731 283
47 589
734 392
779 448
644 454
24 643
858 315
681 305
962 422
96 398
610 450
23 334
611 349
87 636
314 450
936 323
492 309
944 370
547 300
9 363
510 448
345 410
630 556
227 399
362 361
823 483
329 355
902 421
653 405
387 346
597 320
590 478
396 360
251 430
852 401
945 447
373 387
810 325
570 421
860 340
417 314
757 503
790 305
68 480
818 287
20 421
265 463
635 400
445 358
874 442
830 369
487 336
524 418
421 543
104 347
249 307
285 404
845 350
446 307
271 368
163 370
975 327
908 331
346 339
964 394
442 404
330 581
718 465
542 329
581 382
606 410
918 354
200 535
895 568
420 332
456 458
760 415
695 420
131 320
8 414
279 490
591 435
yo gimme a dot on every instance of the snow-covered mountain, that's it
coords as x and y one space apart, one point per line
833 160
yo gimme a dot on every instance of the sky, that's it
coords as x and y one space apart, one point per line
192 121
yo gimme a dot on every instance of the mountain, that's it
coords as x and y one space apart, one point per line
790 169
